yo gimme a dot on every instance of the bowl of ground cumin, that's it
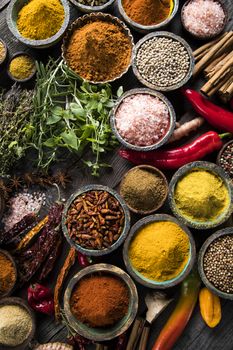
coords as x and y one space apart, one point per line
38 23
98 48
8 273
101 302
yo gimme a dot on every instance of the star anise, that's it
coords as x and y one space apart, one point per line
62 178
16 183
4 189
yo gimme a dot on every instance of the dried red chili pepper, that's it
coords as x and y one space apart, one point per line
216 116
40 298
51 260
83 260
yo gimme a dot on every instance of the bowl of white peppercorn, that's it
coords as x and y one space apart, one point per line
88 6
163 61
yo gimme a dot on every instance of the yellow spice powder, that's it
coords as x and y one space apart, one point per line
22 67
160 251
201 196
2 51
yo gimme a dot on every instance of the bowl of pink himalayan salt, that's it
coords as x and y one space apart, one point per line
143 119
204 19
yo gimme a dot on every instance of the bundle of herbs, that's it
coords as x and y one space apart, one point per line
70 115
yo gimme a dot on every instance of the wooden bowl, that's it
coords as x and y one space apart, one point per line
21 53
155 171
8 255
213 168
146 92
137 275
22 303
102 334
89 9
227 231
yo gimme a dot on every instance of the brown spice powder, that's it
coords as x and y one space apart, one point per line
7 274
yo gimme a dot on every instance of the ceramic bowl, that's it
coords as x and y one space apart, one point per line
20 302
146 92
6 52
213 168
205 37
102 334
138 276
8 256
208 284
152 170
12 15
28 78
92 252
170 36
92 17
89 9
146 29
222 151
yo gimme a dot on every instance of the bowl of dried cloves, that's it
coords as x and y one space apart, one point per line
96 220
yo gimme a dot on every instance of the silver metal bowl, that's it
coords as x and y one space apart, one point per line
89 9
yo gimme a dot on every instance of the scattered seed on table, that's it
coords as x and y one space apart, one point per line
226 160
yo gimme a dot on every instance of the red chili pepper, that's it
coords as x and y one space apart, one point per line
177 157
83 260
216 116
40 298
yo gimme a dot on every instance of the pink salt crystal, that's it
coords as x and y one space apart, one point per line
203 18
142 119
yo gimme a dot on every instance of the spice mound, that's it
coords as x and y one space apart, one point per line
218 265
95 220
201 196
226 160
143 189
99 51
7 274
148 12
142 119
160 251
162 61
100 301
203 18
22 67
15 325
40 19
2 51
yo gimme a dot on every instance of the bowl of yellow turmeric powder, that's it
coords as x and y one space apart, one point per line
22 67
38 23
159 251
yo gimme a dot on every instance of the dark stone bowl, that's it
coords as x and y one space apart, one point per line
21 80
95 252
208 284
209 167
102 334
9 256
221 152
89 9
138 276
6 52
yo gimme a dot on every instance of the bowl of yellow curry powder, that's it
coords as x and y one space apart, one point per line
38 23
159 251
22 67
200 195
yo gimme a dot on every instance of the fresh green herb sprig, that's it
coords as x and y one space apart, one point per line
71 115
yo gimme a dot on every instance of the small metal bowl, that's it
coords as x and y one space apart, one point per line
21 53
12 15
170 36
146 29
138 276
92 17
213 168
94 252
6 52
89 9
227 231
9 257
152 170
20 302
221 153
102 334
146 92
205 37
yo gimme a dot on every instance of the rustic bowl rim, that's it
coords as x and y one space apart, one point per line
154 170
146 91
213 168
206 37
6 51
80 22
105 251
10 257
222 150
22 303
170 36
143 28
220 233
32 42
132 309
88 9
139 277
21 53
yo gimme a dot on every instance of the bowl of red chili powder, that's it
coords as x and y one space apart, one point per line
101 302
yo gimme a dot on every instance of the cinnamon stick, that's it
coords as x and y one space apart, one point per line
213 65
207 46
211 90
228 94
225 86
135 333
144 338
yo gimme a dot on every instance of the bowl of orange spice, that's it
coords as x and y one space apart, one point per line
146 16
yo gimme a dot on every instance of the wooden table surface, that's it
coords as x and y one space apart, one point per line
197 336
